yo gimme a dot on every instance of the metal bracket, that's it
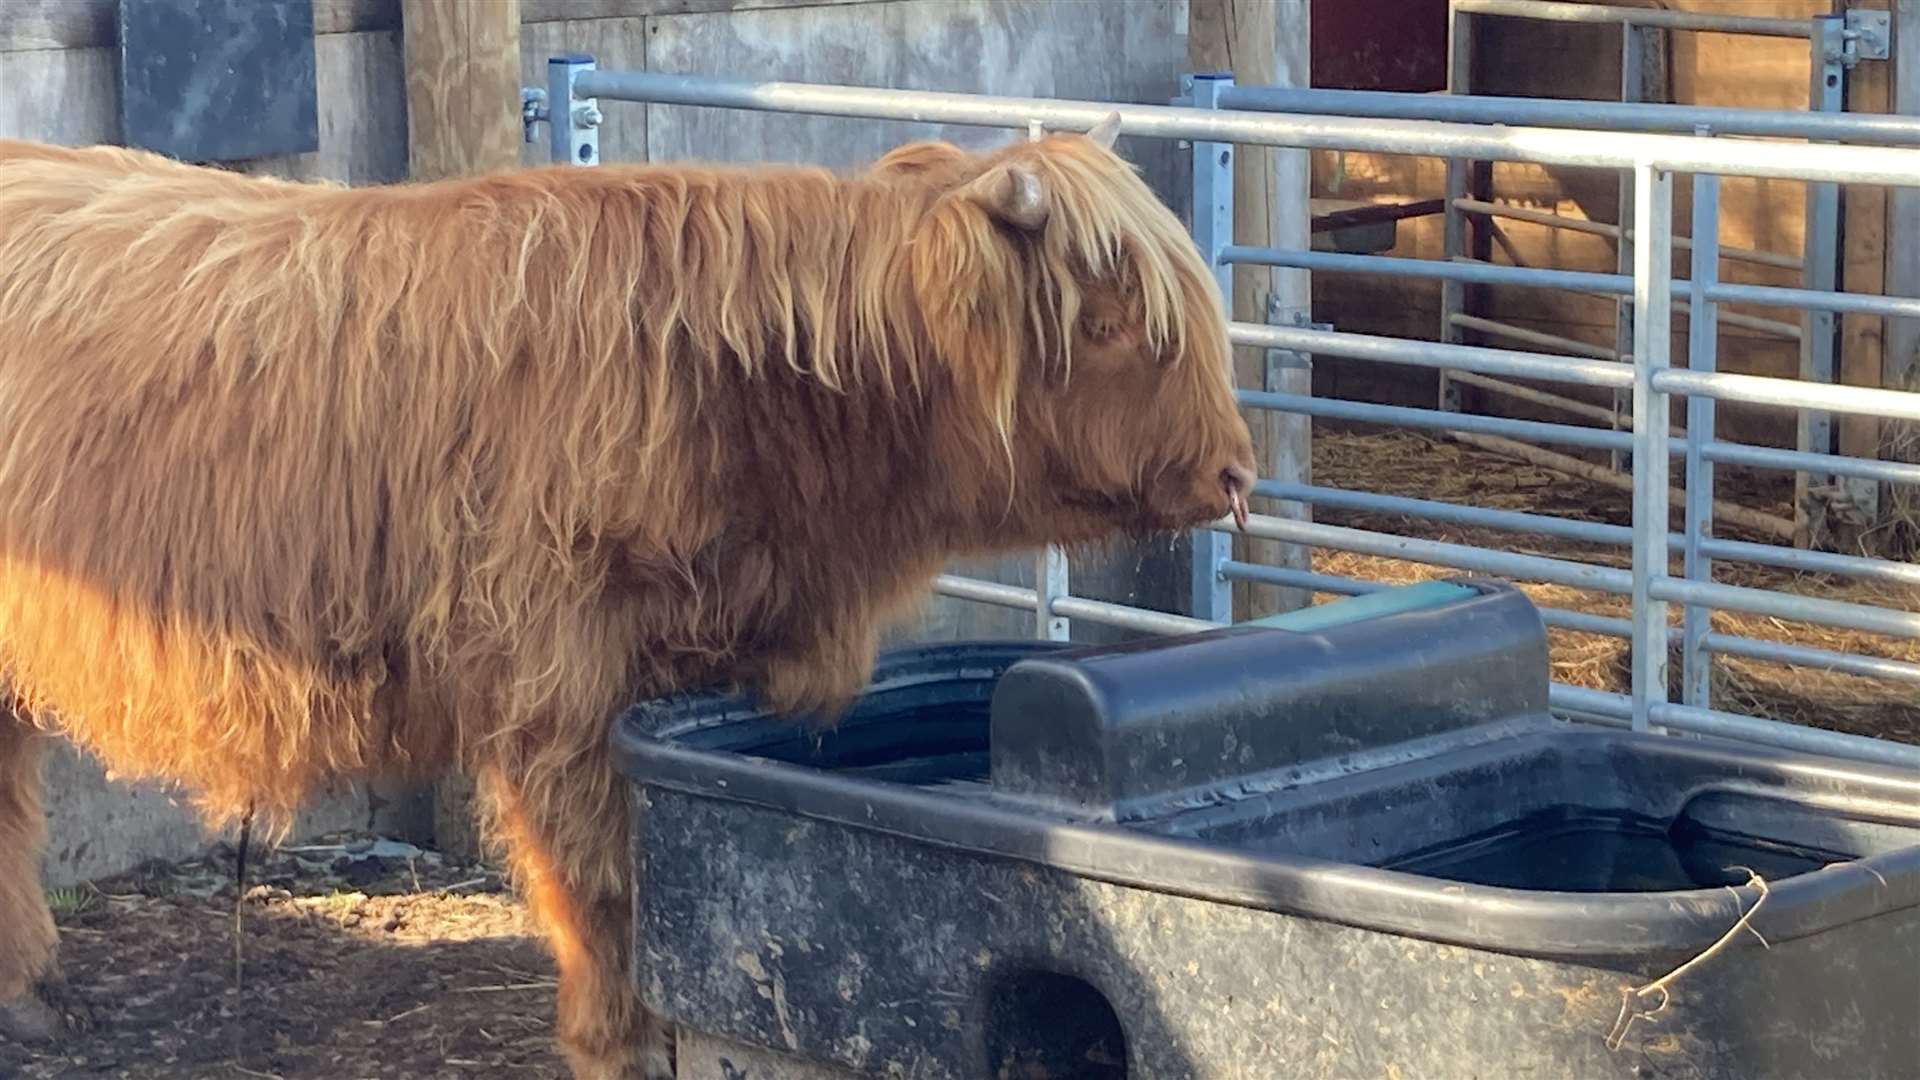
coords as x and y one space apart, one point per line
574 120
533 112
1281 360
1869 35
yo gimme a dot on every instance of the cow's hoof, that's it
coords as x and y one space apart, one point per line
46 1014
27 1019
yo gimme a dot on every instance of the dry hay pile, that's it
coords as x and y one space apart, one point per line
1419 466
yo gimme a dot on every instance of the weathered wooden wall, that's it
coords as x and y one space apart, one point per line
57 84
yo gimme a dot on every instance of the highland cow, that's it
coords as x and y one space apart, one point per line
300 482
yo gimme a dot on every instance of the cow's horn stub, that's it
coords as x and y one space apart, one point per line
1013 194
1106 131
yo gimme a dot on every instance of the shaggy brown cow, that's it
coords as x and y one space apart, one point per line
301 483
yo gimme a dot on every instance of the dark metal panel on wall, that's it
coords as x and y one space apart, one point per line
218 80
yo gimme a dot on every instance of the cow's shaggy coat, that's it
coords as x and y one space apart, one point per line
301 483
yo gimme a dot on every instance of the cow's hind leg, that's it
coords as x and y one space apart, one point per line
33 1007
566 841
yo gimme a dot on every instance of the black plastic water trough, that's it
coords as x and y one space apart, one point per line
1357 847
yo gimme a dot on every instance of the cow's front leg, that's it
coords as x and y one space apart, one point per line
566 839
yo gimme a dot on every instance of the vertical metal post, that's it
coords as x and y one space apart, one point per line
1633 54
1703 350
1826 92
574 122
1652 316
1454 220
1212 232
1050 579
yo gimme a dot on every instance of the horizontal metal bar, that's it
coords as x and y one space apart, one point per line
1586 622
1566 572
1549 368
1880 128
1811 609
1486 273
1548 11
1436 420
1536 337
1601 228
1128 618
1558 618
986 592
1480 273
1851 303
1781 652
1817 562
1838 744
1897 166
1434 354
1288 578
1768 457
1591 532
1729 318
1615 709
1791 393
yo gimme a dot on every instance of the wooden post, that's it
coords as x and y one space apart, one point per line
463 117
1265 43
463 86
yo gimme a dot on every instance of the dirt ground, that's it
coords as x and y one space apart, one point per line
395 965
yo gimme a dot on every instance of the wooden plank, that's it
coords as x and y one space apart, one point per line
57 24
66 96
538 11
615 45
85 24
81 24
1863 265
463 86
1264 43
964 45
355 16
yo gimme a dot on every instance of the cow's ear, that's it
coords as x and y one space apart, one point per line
1011 192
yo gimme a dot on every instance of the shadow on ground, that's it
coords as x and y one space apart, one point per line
399 966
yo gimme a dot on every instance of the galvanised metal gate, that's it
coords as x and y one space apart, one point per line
1220 115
